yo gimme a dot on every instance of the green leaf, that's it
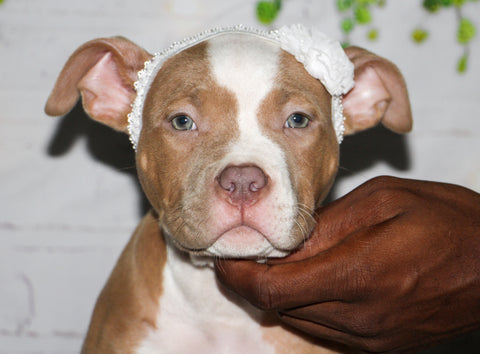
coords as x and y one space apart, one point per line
344 5
431 5
446 3
365 2
419 35
347 25
462 64
363 15
372 35
458 3
381 3
466 31
267 11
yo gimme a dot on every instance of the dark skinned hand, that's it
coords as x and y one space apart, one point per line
393 265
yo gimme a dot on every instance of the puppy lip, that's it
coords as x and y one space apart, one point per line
202 249
263 248
237 241
238 226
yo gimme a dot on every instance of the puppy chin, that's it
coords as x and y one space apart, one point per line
244 242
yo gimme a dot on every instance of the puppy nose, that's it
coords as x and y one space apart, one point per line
242 183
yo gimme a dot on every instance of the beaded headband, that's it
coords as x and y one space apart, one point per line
322 57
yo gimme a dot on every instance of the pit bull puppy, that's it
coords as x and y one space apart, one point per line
236 135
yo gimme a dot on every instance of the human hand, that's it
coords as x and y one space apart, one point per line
393 265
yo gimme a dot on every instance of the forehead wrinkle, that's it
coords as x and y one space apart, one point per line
297 97
193 95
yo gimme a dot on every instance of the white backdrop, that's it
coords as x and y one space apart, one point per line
68 195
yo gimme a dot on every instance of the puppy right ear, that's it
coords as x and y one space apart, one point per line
379 95
102 71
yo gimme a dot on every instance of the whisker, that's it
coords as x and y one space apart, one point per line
306 214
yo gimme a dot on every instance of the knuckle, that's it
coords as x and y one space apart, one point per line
389 202
377 345
386 196
383 183
383 180
370 325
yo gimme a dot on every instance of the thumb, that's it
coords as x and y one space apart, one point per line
368 205
288 285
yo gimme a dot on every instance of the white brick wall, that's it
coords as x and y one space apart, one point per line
69 200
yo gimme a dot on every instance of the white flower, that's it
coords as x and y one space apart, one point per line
322 57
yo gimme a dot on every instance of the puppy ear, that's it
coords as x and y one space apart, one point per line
102 71
379 95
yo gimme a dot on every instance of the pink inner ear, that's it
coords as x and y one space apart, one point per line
106 98
365 105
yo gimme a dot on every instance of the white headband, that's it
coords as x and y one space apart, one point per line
322 57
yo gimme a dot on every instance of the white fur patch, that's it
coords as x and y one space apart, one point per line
247 67
195 317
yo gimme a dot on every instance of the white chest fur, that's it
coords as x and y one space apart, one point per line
196 317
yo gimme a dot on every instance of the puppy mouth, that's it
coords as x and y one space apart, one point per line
243 241
239 241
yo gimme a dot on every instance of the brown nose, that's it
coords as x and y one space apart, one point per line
242 183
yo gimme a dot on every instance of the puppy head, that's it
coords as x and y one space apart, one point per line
237 146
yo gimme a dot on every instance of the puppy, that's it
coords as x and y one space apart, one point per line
237 136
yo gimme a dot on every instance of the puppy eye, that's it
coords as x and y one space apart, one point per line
297 120
183 122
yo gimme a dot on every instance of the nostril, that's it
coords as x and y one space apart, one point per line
227 180
254 187
259 182
229 188
242 182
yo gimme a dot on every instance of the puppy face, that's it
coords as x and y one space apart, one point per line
237 148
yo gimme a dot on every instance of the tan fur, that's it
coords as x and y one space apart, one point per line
127 307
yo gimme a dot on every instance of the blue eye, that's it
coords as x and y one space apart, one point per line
297 120
183 122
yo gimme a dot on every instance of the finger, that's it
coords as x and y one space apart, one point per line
324 332
331 314
282 286
376 342
368 205
269 287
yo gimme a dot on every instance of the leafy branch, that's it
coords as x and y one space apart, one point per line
356 13
465 28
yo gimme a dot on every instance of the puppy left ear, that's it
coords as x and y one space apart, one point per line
379 95
102 71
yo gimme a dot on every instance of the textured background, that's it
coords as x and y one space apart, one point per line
69 198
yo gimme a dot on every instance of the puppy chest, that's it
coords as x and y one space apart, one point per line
195 317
